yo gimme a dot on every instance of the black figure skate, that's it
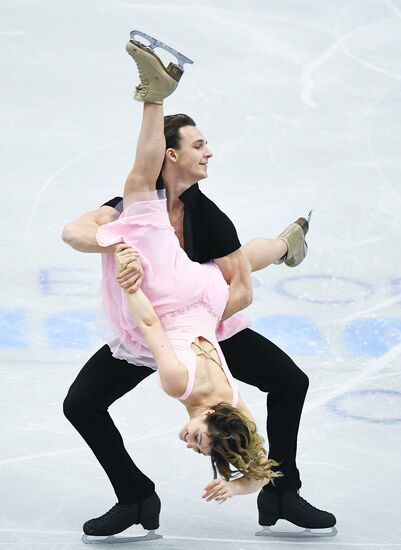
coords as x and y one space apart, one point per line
102 530
293 508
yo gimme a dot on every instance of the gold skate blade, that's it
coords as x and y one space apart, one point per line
112 539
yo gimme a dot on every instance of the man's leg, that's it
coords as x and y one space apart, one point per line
102 381
257 361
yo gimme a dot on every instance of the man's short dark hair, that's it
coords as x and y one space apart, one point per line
172 124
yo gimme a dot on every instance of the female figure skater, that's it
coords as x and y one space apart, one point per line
171 320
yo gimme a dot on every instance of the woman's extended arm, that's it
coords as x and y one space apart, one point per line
220 490
173 374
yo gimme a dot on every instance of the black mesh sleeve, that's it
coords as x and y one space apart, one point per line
223 237
116 203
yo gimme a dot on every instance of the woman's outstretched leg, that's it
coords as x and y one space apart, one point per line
289 247
262 252
156 83
151 147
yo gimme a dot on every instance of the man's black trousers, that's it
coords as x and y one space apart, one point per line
251 358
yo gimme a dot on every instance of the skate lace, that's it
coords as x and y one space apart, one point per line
305 504
113 512
144 81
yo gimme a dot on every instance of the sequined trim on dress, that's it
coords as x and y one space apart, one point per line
181 311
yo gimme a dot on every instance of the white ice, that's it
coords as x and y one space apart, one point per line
301 104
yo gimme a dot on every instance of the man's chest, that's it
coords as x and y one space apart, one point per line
177 222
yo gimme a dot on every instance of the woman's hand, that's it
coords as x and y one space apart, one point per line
219 490
128 267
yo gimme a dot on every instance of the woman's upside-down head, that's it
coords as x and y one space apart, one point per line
232 442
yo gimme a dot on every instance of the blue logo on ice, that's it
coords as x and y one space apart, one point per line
339 405
13 328
372 337
296 334
70 329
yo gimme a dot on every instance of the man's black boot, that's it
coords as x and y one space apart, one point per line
293 508
122 516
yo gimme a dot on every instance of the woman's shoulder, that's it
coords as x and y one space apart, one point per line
244 409
175 381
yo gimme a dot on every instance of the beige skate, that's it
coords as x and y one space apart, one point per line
157 81
294 238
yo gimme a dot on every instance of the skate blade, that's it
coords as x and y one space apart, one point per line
112 539
154 43
305 534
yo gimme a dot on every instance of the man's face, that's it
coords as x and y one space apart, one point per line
192 157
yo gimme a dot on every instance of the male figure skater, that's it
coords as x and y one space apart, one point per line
205 233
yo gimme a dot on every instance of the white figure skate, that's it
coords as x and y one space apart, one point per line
157 81
294 238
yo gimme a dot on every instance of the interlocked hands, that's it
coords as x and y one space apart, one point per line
219 490
128 267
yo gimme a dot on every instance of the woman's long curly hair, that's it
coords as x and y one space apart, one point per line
236 447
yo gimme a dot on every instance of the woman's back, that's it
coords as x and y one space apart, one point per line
211 384
192 334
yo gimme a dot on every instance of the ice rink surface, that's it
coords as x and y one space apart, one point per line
301 104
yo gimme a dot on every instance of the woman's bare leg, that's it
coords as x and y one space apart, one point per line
150 151
262 252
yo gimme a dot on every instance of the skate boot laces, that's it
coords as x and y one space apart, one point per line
302 503
113 512
143 87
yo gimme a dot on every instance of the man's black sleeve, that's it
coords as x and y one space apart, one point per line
223 237
115 203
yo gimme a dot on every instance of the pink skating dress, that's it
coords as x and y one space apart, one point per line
188 297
